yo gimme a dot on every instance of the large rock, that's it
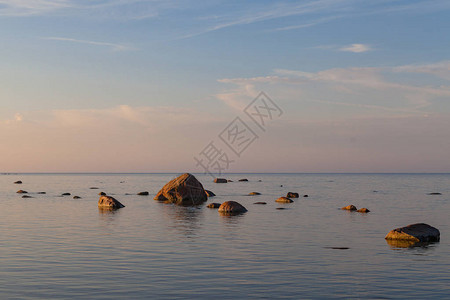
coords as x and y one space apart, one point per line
231 207
109 202
220 180
184 190
419 232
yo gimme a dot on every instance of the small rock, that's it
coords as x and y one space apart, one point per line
142 194
76 197
284 200
281 185
231 207
93 188
419 232
292 195
21 192
26 196
260 203
229 180
434 194
243 179
65 194
254 194
305 196
18 182
109 202
213 205
220 180
209 193
42 193
363 210
337 248
102 194
280 208
349 207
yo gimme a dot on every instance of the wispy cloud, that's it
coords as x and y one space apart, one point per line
113 46
356 48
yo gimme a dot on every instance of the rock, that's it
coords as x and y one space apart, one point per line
305 196
254 194
209 193
260 203
142 194
434 194
220 180
281 185
231 207
76 197
213 205
184 190
292 195
260 180
102 194
419 232
65 194
363 210
243 180
21 192
109 202
42 193
26 196
284 200
93 188
18 182
349 207
229 180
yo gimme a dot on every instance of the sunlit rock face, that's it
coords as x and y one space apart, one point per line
184 190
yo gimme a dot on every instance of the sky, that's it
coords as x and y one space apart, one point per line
152 85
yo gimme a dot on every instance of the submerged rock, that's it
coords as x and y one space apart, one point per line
419 232
292 195
232 207
349 207
184 190
363 210
21 192
65 194
433 194
142 194
93 188
243 180
254 194
306 196
42 193
284 200
262 203
76 197
220 180
26 196
18 182
209 193
109 202
213 205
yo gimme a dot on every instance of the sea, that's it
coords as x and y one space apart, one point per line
57 247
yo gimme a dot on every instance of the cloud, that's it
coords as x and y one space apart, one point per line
356 48
114 47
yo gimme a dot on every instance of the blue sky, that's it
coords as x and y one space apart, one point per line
364 84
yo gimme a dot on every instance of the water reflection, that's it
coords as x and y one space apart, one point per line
183 219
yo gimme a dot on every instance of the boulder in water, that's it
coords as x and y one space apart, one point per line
349 207
213 205
419 232
220 180
18 182
184 190
209 193
284 200
231 207
108 202
292 195
21 192
363 210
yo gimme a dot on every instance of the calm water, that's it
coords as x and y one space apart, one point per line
58 247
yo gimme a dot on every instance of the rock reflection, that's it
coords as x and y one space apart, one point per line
184 219
402 244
